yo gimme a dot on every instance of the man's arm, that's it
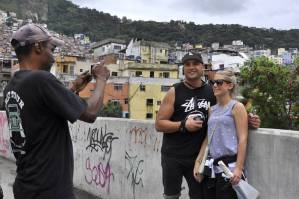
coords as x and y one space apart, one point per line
94 103
80 82
163 123
254 121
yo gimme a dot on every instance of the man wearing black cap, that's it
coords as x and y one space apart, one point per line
183 117
38 109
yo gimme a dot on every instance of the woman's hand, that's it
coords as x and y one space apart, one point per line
237 176
195 169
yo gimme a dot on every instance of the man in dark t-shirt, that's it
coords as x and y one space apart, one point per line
38 109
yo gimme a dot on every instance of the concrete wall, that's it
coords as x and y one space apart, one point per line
121 159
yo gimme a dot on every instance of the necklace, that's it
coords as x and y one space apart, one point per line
190 85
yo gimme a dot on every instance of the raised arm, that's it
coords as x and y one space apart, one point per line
94 103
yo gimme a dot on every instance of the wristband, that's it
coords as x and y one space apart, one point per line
183 126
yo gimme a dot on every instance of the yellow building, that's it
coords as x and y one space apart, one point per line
65 65
133 69
146 95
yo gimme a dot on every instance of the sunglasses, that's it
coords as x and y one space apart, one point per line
219 82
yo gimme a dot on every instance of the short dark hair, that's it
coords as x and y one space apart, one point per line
23 51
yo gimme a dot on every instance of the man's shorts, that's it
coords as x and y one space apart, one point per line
173 171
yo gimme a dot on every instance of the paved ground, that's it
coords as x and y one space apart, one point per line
7 176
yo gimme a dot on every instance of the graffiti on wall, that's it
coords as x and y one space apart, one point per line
100 140
135 171
140 135
99 171
4 140
99 174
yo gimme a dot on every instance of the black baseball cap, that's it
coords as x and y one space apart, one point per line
192 56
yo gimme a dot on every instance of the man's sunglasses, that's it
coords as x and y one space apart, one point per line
219 82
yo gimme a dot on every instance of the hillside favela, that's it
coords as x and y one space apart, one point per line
132 139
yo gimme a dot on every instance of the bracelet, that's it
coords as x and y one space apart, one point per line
183 126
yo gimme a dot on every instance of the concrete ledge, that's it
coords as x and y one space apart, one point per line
120 159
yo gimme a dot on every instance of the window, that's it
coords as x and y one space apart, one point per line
149 116
118 87
72 70
142 87
126 101
6 65
115 101
138 73
114 74
221 66
64 69
81 70
116 47
158 102
149 102
166 74
152 74
165 88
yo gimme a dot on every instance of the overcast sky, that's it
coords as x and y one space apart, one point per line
279 14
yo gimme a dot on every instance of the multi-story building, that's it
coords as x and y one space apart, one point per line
221 59
280 51
109 50
134 69
259 53
64 68
116 91
148 51
133 83
146 95
175 56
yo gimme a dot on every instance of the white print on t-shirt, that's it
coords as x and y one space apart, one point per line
201 103
13 104
14 95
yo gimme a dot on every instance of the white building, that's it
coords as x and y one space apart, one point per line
108 46
222 59
276 59
259 53
237 43
215 46
281 51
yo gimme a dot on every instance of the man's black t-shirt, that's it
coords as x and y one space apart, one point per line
188 103
38 107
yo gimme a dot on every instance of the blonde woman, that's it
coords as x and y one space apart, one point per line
228 119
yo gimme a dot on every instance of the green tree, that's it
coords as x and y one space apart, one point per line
274 91
111 109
